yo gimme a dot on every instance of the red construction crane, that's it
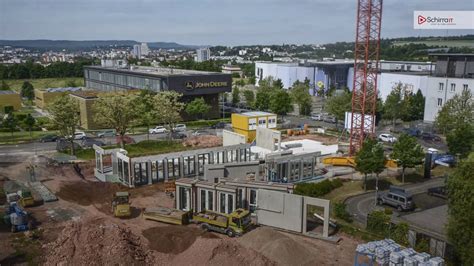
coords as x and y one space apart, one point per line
366 65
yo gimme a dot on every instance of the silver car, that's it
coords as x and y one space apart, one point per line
397 198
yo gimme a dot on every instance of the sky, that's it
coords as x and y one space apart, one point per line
209 22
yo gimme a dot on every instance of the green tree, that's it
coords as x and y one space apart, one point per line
64 112
370 159
146 108
116 111
461 140
457 111
278 84
300 95
407 152
392 105
280 103
4 86
10 122
249 97
262 101
169 108
198 107
27 91
339 104
235 95
417 107
30 122
460 228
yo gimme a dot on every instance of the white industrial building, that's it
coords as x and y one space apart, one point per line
144 49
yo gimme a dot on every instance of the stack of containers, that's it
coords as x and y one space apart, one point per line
436 261
396 259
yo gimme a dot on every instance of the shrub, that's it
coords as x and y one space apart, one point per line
341 212
388 211
317 189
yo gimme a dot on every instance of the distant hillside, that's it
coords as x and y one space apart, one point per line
87 45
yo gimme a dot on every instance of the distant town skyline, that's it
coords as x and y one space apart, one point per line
209 22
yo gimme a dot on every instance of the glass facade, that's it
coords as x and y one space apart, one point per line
109 81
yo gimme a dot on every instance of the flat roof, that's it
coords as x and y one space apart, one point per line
432 221
154 71
256 113
8 92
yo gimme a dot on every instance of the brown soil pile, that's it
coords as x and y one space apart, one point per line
174 238
96 242
100 194
206 141
277 246
224 251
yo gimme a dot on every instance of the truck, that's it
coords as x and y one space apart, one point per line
167 215
233 224
23 197
121 204
17 218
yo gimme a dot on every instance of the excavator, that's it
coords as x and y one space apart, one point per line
121 205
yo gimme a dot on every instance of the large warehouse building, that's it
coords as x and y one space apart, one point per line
190 83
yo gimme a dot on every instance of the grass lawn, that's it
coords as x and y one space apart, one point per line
15 84
23 136
143 148
448 43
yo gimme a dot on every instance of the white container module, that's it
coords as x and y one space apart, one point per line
436 261
410 261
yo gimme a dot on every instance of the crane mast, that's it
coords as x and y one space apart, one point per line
366 66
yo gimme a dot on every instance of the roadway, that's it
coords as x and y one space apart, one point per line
361 205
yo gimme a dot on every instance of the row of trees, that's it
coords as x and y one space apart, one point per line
32 70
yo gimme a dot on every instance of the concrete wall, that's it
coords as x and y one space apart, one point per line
232 138
266 138
12 99
413 83
44 98
280 210
236 171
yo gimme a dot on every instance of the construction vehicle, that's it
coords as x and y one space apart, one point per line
121 205
350 161
17 218
26 198
233 224
167 215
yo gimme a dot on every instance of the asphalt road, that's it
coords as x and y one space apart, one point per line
33 148
359 206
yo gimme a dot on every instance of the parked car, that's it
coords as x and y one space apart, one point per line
317 117
438 192
63 145
219 125
445 160
200 133
397 198
158 130
385 137
329 119
79 135
179 128
49 138
430 137
126 139
89 142
106 133
178 135
414 132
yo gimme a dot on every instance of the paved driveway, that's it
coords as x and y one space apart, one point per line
359 206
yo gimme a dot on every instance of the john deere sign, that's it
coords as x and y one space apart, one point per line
190 85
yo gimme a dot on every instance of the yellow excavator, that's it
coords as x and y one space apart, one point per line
350 161
121 205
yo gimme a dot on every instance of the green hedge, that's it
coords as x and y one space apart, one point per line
317 189
379 222
341 212
205 123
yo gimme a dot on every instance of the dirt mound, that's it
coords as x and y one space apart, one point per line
174 238
96 242
277 246
100 194
205 141
219 252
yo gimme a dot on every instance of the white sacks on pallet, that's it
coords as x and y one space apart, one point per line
410 261
396 258
422 257
408 252
436 261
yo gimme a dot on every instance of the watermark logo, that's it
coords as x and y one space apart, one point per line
421 19
443 20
